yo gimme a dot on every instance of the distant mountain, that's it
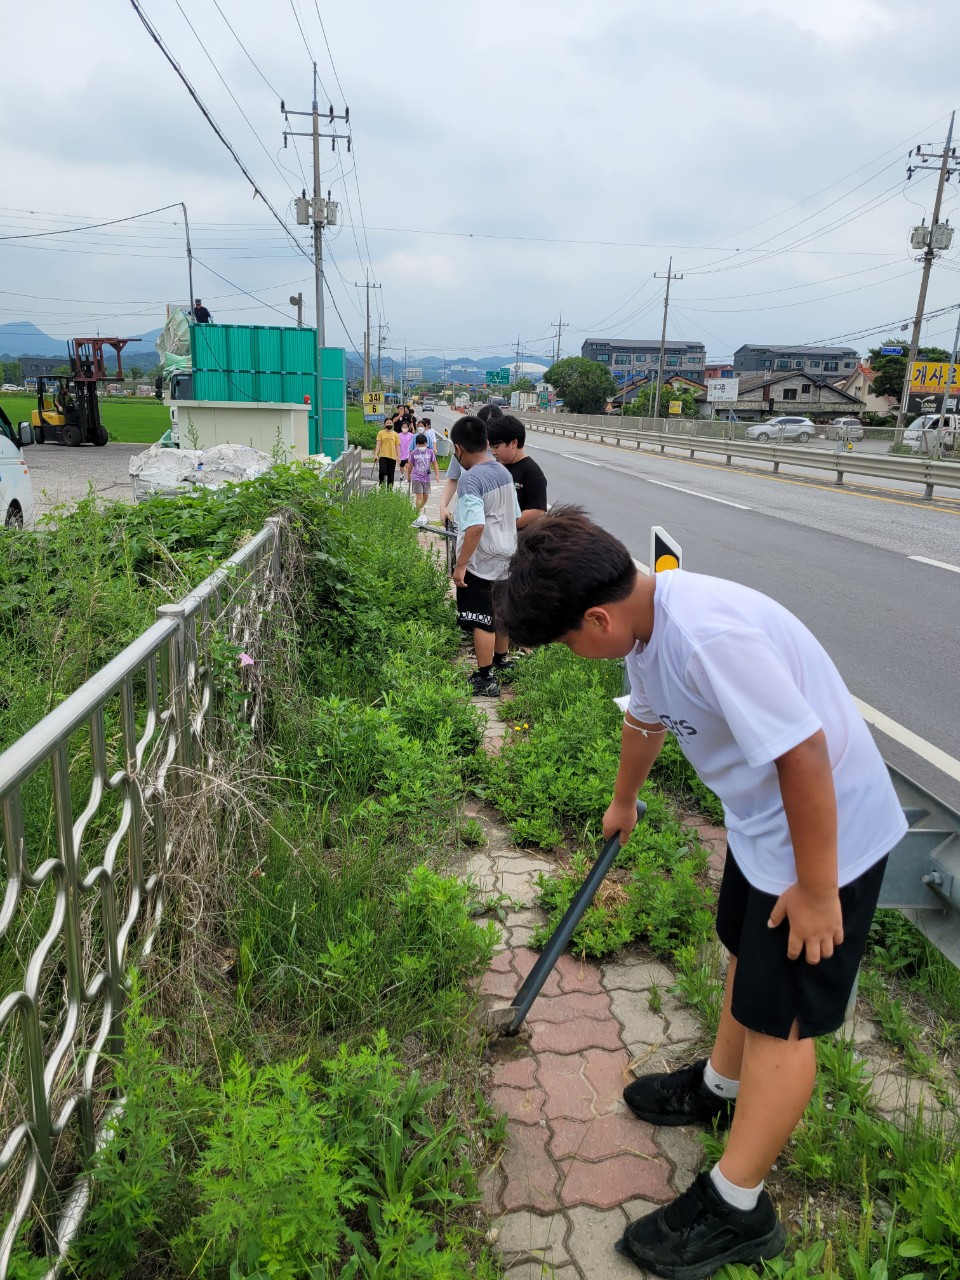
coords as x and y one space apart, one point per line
21 338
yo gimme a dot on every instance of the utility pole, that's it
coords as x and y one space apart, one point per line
381 340
367 357
403 376
516 367
655 404
321 213
186 229
296 300
560 328
933 240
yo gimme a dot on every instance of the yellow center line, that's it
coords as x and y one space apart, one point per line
846 490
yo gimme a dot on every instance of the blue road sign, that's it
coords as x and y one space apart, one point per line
891 351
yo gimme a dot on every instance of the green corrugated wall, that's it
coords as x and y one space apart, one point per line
274 365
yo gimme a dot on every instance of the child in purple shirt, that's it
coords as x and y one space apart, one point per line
419 461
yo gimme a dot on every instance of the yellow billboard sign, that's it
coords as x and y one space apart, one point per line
373 398
676 406
928 377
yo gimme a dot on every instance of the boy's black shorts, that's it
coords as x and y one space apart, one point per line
475 603
770 992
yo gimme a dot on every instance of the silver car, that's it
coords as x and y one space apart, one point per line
844 429
782 428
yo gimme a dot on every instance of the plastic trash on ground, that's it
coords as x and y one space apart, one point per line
172 471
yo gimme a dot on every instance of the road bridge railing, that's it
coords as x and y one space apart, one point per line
839 460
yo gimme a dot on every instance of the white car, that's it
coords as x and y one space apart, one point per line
429 407
16 486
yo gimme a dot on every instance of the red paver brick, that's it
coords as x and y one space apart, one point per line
503 985
617 1133
516 1073
571 1037
502 962
523 961
578 975
522 1105
610 1182
567 1093
531 1176
606 1073
578 1004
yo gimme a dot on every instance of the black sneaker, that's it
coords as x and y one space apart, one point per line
503 664
484 686
678 1097
700 1233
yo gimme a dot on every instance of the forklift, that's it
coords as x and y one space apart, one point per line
68 406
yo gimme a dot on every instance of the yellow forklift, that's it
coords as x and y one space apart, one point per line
68 405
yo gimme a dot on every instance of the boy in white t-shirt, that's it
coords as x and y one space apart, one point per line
763 716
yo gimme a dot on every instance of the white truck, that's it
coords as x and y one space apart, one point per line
924 432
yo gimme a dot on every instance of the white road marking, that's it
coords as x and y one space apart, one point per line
912 741
625 471
937 564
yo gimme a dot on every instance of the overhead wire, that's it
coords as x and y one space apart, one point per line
233 96
161 45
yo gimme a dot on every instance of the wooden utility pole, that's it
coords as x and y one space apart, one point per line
670 276
932 246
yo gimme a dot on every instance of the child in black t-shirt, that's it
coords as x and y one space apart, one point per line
507 437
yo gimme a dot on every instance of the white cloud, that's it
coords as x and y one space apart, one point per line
547 119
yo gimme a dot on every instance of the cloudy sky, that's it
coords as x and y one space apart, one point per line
512 162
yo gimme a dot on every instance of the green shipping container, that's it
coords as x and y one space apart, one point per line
274 365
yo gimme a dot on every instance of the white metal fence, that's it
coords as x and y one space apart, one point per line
85 893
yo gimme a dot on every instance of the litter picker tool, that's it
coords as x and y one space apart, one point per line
508 1021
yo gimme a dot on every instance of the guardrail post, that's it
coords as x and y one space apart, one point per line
928 490
839 479
776 466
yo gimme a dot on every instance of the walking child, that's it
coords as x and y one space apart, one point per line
386 451
487 514
421 459
763 716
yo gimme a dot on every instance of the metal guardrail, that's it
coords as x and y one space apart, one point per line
929 472
922 878
128 740
348 468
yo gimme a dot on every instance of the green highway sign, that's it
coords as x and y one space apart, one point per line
497 377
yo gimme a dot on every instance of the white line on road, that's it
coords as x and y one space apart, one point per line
937 564
912 741
625 471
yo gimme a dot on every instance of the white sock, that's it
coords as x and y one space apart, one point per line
719 1084
743 1198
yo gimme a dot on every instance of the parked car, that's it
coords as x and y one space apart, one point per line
920 432
844 428
782 428
16 486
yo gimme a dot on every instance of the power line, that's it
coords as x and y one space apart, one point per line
110 222
158 41
213 64
240 289
250 57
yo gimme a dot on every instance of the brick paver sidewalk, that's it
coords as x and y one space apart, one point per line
576 1165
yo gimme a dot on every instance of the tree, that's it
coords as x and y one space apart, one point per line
584 385
12 371
891 370
136 372
640 404
523 384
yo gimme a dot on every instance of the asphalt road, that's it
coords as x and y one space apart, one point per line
838 558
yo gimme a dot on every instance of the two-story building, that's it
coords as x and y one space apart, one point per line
821 362
628 359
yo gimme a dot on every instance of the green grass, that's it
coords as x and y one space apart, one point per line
129 421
